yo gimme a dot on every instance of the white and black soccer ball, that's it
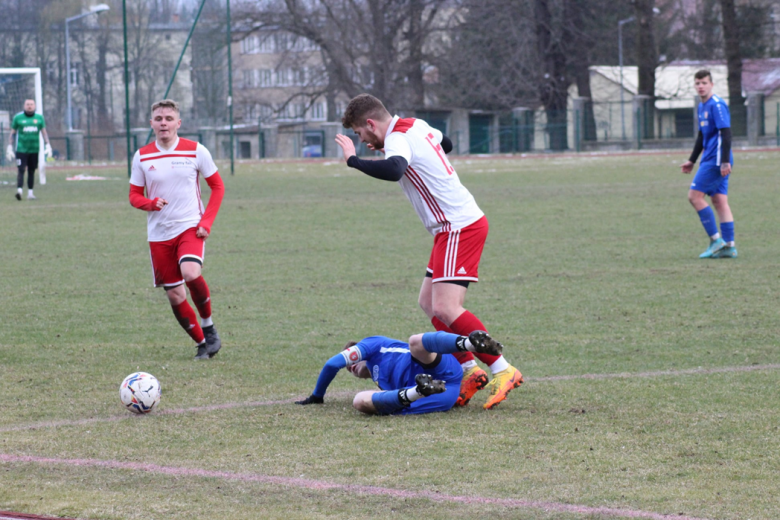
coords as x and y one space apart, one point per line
140 392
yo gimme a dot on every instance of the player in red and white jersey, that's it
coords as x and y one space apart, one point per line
177 223
415 157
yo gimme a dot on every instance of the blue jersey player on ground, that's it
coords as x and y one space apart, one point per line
418 377
712 177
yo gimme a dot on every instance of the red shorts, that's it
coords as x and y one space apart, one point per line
456 254
166 257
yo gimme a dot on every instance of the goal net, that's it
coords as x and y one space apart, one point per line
16 85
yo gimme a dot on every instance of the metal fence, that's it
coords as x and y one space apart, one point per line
597 126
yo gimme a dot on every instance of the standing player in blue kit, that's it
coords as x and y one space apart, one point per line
712 177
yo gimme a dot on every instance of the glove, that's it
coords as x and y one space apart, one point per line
47 150
9 153
312 399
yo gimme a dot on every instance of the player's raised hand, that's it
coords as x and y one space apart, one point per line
686 167
312 399
346 144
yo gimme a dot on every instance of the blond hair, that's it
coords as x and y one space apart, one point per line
167 103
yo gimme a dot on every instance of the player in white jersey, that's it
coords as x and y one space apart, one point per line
177 223
415 157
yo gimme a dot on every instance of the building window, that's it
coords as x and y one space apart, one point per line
282 78
299 77
51 71
250 45
249 79
266 44
318 111
265 78
74 74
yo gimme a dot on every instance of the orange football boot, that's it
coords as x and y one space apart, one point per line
474 380
503 382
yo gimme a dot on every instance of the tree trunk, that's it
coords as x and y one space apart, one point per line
734 64
101 67
647 60
415 38
553 85
574 23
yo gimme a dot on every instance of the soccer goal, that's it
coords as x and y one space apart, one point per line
16 85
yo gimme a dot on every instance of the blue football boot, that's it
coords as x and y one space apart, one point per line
726 252
715 246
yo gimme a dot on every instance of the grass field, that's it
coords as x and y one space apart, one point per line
591 269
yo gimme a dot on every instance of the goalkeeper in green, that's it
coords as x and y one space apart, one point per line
24 145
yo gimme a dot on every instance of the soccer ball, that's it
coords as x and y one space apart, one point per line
140 392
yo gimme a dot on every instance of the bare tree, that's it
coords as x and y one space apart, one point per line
553 83
479 70
647 61
377 47
734 64
579 43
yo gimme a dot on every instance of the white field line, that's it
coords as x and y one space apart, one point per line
256 404
348 489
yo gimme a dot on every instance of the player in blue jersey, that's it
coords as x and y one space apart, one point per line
712 177
412 378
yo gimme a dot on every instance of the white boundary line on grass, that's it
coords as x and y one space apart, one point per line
659 373
256 404
319 485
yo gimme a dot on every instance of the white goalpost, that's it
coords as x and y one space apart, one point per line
16 85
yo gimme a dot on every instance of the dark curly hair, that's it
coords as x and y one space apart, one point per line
362 107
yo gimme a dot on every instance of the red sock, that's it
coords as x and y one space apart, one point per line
467 323
188 321
462 357
200 296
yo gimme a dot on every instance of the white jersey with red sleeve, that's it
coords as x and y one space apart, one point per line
172 175
430 182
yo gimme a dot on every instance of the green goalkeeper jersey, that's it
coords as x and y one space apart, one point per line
28 130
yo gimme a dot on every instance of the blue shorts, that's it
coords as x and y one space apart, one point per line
709 181
449 371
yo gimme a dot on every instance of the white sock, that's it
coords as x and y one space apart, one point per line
412 395
18 190
730 244
29 193
715 236
469 346
499 365
206 322
468 365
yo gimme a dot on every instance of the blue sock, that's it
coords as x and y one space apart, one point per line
727 230
441 342
388 402
707 217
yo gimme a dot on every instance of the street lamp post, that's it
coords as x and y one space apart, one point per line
95 9
620 59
